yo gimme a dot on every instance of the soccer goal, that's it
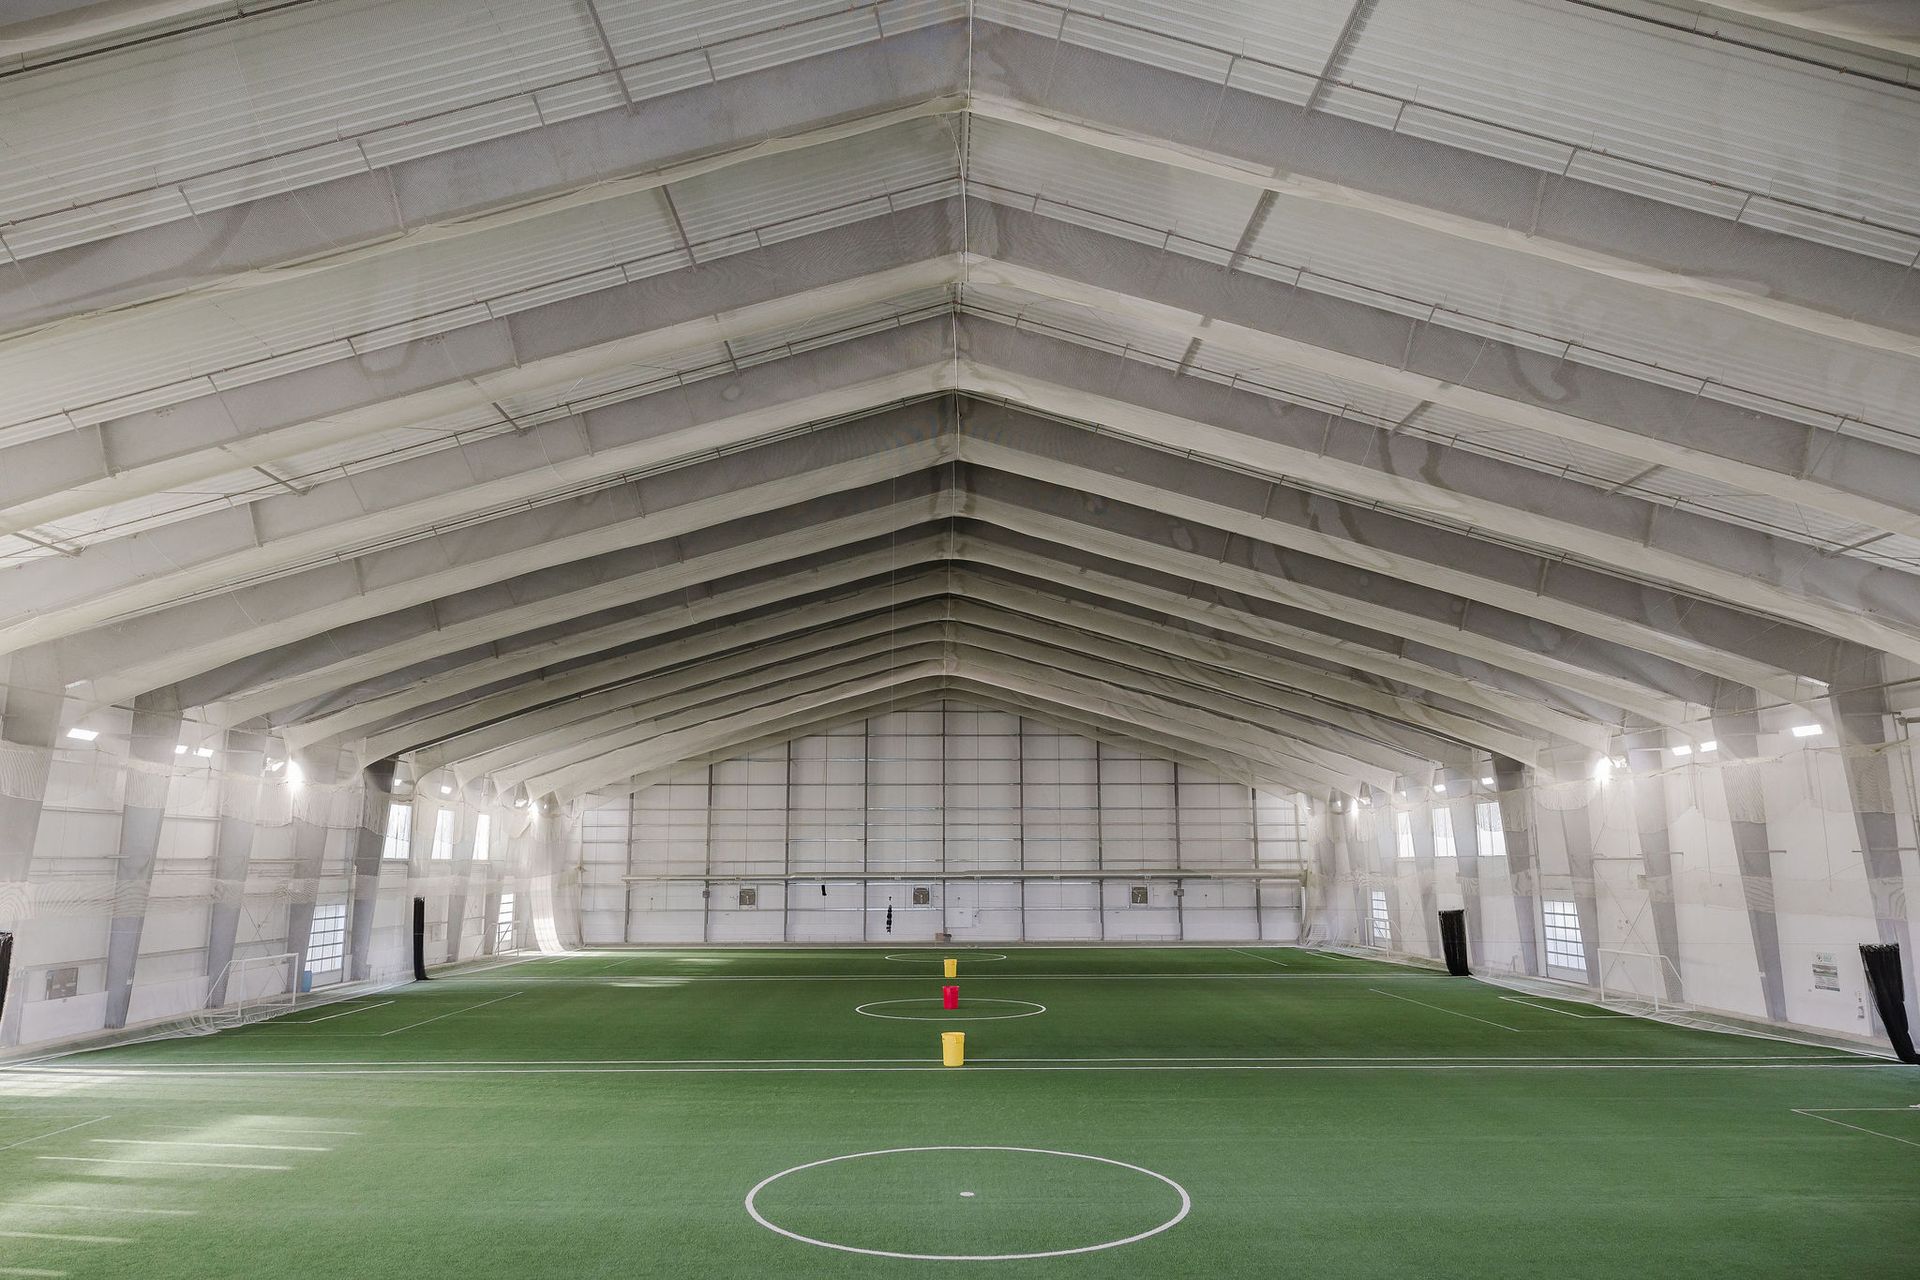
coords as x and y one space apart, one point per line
1640 979
257 987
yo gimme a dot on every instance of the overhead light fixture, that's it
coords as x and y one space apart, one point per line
205 753
1683 750
1603 769
179 748
1439 788
445 790
275 766
1486 782
1807 731
83 735
294 774
1709 746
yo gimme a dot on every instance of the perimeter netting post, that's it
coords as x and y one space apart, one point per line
1453 941
1882 962
419 939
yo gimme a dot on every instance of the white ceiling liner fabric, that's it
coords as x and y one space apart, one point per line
556 392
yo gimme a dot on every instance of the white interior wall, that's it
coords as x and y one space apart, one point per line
1817 896
61 917
960 803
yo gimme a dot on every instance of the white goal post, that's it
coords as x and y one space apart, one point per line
256 987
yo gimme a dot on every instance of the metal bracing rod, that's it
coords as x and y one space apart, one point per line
606 45
856 877
1336 54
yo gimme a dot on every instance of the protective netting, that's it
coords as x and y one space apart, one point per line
252 863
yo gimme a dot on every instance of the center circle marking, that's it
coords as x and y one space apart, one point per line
949 1015
753 1211
909 957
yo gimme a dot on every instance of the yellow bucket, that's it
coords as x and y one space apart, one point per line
953 1048
952 968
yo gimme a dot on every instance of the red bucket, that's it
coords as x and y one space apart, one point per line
949 997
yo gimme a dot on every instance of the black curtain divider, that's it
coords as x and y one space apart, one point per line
1453 941
6 966
419 939
1882 961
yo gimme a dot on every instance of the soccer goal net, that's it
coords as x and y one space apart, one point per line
250 989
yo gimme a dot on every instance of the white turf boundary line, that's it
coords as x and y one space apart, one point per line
1821 1064
56 1133
1568 1013
161 1067
1817 1113
680 979
1437 1009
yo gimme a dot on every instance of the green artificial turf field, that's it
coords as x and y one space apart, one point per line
1231 1112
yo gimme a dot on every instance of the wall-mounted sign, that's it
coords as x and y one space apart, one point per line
1826 972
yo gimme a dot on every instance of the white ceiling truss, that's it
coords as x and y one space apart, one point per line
556 392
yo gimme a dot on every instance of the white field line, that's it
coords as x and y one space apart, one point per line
28 1271
449 1013
69 1129
1437 1009
183 1142
485 968
167 1164
680 979
304 1022
262 1133
55 1235
268 1068
1815 1114
98 1208
936 1067
1587 1017
1257 956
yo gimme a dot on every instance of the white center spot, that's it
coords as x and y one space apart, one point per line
967 1195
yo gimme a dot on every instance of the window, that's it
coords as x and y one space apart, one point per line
1403 832
1564 948
1489 837
482 834
1379 922
1443 846
503 925
327 938
443 836
399 846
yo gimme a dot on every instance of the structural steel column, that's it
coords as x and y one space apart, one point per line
1427 874
1467 851
1863 717
244 762
1738 730
30 703
465 837
314 801
369 843
156 731
1576 834
1645 762
1513 779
